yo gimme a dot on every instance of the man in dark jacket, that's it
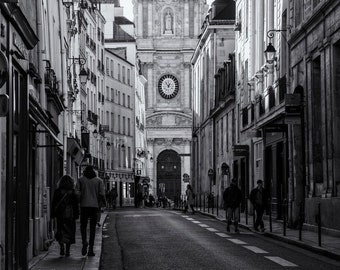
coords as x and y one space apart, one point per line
232 197
91 191
259 198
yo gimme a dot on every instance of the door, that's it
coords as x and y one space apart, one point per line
169 174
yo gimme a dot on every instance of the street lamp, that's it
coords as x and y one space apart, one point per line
108 145
83 76
270 50
270 53
95 133
67 3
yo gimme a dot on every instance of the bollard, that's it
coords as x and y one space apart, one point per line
284 217
270 216
200 202
254 216
203 202
217 206
301 221
319 224
246 210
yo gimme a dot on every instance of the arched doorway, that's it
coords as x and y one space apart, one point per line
169 174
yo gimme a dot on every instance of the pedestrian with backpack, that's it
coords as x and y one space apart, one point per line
232 197
65 209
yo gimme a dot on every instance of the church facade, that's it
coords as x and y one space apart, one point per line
166 35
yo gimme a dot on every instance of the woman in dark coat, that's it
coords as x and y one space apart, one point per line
65 209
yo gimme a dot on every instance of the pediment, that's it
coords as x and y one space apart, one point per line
168 119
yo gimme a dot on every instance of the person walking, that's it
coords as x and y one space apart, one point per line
259 198
91 191
65 209
190 199
232 197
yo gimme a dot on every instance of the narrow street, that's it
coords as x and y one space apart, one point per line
166 239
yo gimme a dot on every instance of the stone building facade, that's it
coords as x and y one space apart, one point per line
167 33
314 62
213 101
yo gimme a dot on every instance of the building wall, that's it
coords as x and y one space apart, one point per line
314 64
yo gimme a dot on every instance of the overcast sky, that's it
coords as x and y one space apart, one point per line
128 13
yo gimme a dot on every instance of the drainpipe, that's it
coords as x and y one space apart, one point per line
64 86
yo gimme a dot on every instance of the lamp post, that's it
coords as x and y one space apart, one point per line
270 50
67 3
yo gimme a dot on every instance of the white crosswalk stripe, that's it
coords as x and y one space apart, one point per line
281 261
212 229
195 221
236 241
203 225
223 235
255 249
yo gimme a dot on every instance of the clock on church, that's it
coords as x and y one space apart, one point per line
168 86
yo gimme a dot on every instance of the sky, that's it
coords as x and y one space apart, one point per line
128 12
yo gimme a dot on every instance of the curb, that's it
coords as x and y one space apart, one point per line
315 249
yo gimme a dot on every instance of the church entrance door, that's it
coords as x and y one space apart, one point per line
169 174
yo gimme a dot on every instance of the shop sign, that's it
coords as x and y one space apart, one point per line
21 51
241 150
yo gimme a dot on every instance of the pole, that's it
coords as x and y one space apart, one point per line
319 224
246 210
300 222
284 217
217 205
270 216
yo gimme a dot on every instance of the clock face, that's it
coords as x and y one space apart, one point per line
168 86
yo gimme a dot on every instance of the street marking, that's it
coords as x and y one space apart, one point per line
281 261
191 219
195 221
184 216
203 225
255 249
223 234
236 241
212 229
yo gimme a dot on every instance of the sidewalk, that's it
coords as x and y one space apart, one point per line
330 244
52 260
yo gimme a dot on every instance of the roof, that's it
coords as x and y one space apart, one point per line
122 20
120 35
224 10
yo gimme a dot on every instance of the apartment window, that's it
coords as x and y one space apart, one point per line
112 96
107 67
129 157
112 122
111 68
129 126
221 136
108 118
124 158
124 99
124 125
128 76
123 73
118 98
118 72
118 124
128 101
244 117
107 92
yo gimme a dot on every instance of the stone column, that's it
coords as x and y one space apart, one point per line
139 19
150 94
150 19
186 19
